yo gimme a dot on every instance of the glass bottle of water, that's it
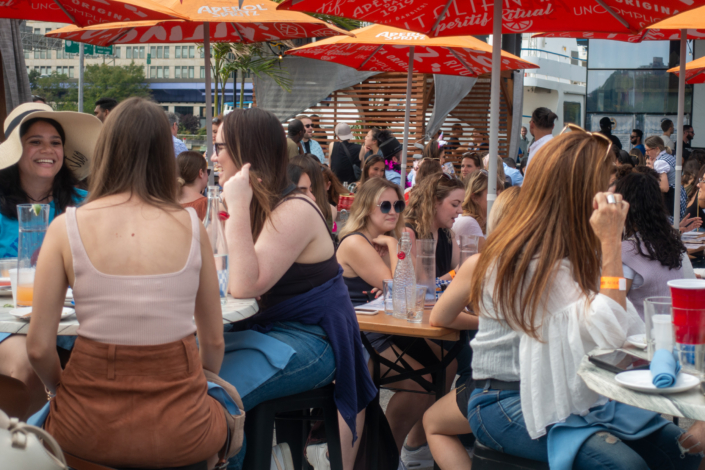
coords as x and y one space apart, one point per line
403 276
216 234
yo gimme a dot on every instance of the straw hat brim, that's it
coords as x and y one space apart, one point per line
81 131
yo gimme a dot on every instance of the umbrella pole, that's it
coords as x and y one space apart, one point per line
209 100
407 111
679 131
494 105
80 77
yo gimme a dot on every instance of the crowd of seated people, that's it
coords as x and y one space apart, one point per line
153 378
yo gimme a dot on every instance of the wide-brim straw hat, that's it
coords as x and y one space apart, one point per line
81 132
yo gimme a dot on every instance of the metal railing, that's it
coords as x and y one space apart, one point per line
542 54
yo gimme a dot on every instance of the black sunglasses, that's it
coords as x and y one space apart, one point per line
386 206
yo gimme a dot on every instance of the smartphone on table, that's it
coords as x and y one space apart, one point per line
619 361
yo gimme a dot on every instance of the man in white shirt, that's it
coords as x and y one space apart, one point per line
541 127
179 145
667 128
310 145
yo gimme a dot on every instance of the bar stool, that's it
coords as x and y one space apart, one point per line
488 459
292 417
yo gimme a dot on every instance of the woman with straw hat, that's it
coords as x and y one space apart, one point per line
44 156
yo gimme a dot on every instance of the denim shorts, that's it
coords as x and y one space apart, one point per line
312 366
497 421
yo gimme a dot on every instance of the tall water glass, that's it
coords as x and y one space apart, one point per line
33 222
426 268
659 330
415 303
468 247
214 228
387 295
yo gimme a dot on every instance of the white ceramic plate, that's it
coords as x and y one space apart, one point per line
24 313
641 381
638 341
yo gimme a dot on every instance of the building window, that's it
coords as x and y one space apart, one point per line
153 51
166 72
177 72
37 31
160 52
191 52
42 70
36 53
141 52
46 30
190 71
152 71
160 72
203 53
48 70
71 71
26 54
203 72
177 52
166 52
36 67
128 52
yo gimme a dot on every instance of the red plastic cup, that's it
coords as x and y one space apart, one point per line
687 293
688 299
345 202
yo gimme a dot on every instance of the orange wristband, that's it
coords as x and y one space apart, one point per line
452 274
613 283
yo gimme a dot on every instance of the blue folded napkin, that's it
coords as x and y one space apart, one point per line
664 368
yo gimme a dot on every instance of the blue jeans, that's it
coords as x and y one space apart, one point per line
313 365
497 422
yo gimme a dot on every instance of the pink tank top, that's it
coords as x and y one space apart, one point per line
134 310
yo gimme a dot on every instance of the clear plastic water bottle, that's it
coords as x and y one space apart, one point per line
404 276
216 234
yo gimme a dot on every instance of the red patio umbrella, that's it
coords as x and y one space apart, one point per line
381 48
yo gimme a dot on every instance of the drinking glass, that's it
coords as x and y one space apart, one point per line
33 222
387 295
5 265
657 317
468 247
415 300
688 298
426 268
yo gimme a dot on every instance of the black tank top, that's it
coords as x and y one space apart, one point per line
300 277
444 250
357 285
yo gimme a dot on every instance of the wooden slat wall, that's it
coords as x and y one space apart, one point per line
380 100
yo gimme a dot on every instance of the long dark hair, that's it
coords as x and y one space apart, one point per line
647 220
135 154
63 189
255 136
312 167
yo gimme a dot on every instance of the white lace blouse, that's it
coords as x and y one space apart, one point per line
570 327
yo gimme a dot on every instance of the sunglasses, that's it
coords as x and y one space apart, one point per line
308 125
386 206
218 147
596 135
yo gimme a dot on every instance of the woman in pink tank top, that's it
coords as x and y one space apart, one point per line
134 393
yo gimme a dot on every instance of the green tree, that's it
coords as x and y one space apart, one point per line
33 75
252 58
56 89
117 82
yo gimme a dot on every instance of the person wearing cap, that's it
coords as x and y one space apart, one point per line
391 151
606 130
344 155
44 156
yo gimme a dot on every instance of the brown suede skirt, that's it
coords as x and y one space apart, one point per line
136 406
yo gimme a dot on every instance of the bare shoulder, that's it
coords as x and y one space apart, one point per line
296 207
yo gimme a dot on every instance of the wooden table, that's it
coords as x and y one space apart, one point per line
387 324
235 310
690 404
